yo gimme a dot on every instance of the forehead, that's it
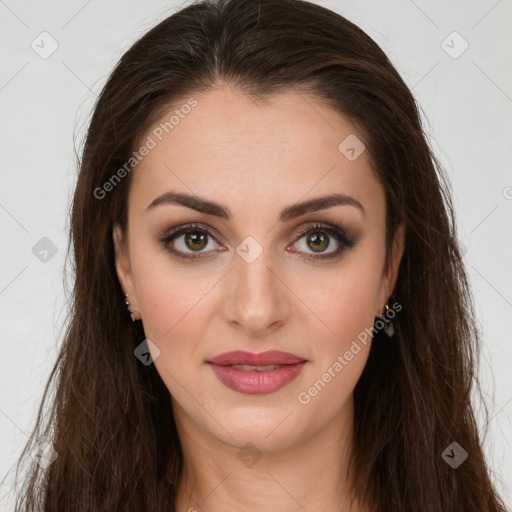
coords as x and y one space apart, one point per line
252 153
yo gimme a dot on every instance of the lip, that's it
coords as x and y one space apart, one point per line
260 359
254 382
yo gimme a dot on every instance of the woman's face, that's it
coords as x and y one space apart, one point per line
272 268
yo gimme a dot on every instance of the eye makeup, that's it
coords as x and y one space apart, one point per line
323 232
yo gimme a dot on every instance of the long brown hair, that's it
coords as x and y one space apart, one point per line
110 419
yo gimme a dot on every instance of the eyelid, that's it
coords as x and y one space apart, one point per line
326 226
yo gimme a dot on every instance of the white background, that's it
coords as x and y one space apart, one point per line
44 103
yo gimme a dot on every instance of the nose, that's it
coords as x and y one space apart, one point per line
257 298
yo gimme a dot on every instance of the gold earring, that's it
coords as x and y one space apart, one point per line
386 307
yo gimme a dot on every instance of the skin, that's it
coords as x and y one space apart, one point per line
257 159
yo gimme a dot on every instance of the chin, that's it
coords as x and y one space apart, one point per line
266 430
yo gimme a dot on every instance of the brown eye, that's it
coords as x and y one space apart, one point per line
315 240
188 242
196 240
318 241
191 242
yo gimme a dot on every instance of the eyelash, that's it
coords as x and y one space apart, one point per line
345 241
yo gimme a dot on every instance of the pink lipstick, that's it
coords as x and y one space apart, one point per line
256 374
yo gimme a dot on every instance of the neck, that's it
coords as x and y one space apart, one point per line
309 475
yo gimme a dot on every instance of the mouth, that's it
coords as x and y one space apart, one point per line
256 374
248 367
260 360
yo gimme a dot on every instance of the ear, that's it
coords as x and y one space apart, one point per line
390 275
123 267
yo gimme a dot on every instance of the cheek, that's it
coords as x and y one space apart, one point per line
344 307
173 303
346 310
343 303
173 309
176 314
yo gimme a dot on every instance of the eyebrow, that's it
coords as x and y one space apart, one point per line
289 213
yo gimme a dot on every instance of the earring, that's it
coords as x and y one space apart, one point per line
130 310
387 322
388 328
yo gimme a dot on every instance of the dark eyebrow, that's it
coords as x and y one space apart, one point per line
289 213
